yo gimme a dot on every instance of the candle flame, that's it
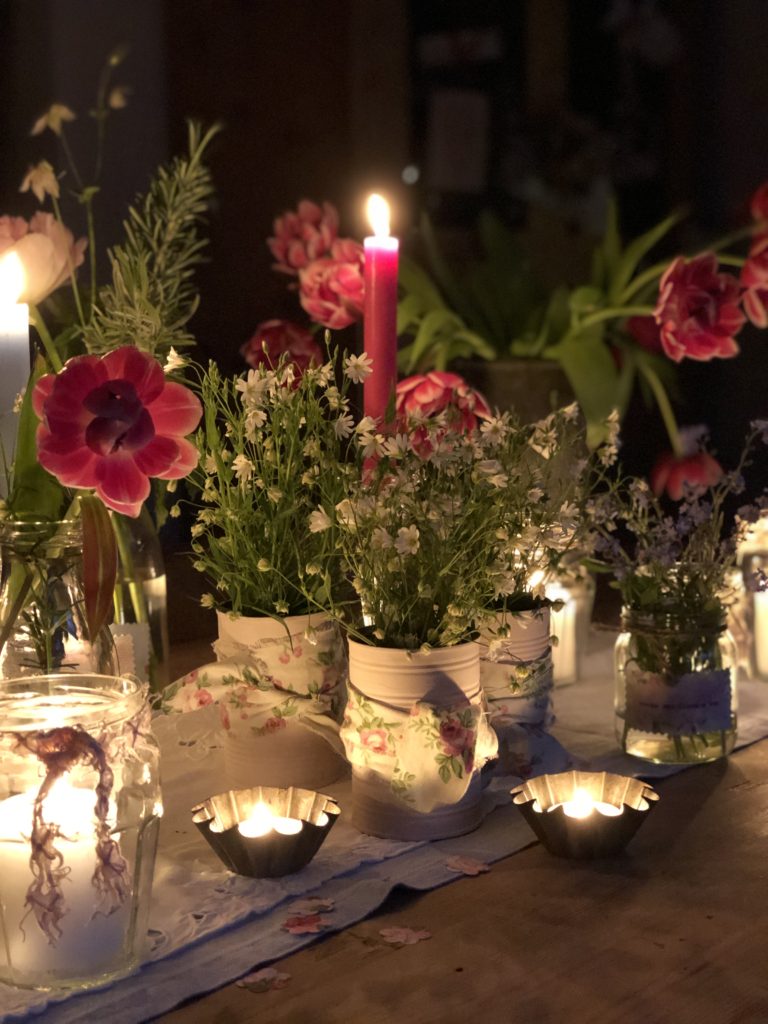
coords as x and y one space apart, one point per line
377 211
259 824
581 806
12 279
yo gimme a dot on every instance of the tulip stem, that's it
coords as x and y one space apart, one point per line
662 400
45 336
70 266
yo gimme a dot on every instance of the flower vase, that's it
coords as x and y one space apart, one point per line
140 625
517 680
281 695
415 732
676 699
42 619
79 821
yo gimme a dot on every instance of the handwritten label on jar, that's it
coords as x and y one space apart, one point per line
698 702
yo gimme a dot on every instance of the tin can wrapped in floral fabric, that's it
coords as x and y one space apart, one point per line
78 828
280 687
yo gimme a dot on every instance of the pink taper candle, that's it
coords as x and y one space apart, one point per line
380 311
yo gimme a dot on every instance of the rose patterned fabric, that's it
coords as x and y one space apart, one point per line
427 754
299 677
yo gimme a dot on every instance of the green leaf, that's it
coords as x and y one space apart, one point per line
435 322
99 562
413 280
409 312
592 373
586 299
635 251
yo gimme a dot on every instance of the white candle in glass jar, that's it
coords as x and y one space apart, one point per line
91 940
563 625
761 632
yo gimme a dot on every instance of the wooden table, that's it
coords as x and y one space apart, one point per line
676 931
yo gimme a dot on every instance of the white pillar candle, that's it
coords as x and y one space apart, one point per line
91 941
14 354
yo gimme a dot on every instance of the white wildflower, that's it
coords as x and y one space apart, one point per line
263 565
171 486
243 468
407 542
18 401
381 540
252 388
207 601
254 420
358 368
53 118
198 530
274 494
343 426
333 397
346 514
319 520
175 511
495 429
42 180
118 97
174 361
396 447
209 463
367 425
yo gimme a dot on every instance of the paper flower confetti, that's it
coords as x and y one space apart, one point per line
305 924
466 865
264 980
313 905
403 936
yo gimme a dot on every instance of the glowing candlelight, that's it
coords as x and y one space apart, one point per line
564 652
14 353
380 312
262 821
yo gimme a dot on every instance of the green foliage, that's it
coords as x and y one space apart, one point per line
152 297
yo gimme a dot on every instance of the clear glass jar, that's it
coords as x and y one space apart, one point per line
676 699
42 603
141 599
79 818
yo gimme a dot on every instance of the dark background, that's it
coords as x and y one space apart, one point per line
559 102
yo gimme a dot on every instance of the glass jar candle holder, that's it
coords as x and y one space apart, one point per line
79 818
676 697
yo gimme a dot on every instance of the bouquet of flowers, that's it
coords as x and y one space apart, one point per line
272 446
101 414
450 516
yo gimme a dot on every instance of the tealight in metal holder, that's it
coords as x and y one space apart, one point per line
619 806
273 854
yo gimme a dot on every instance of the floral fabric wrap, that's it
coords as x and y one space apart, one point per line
427 754
298 676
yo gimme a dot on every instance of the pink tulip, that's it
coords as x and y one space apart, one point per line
113 422
673 475
429 394
274 338
754 277
758 205
331 290
698 310
303 236
47 250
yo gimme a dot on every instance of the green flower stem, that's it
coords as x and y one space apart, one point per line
45 337
70 267
662 400
732 261
642 280
612 313
126 576
92 248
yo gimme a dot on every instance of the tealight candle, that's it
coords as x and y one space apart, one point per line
564 652
262 822
380 309
582 806
14 353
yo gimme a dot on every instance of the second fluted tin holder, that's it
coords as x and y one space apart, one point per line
266 832
585 814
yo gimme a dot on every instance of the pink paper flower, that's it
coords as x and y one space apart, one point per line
306 924
466 865
265 980
426 395
698 310
332 289
303 236
274 338
313 905
403 936
113 422
47 250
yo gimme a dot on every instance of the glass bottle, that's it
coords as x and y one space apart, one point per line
676 697
79 820
141 613
42 603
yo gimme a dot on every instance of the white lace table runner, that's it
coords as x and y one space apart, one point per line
219 926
